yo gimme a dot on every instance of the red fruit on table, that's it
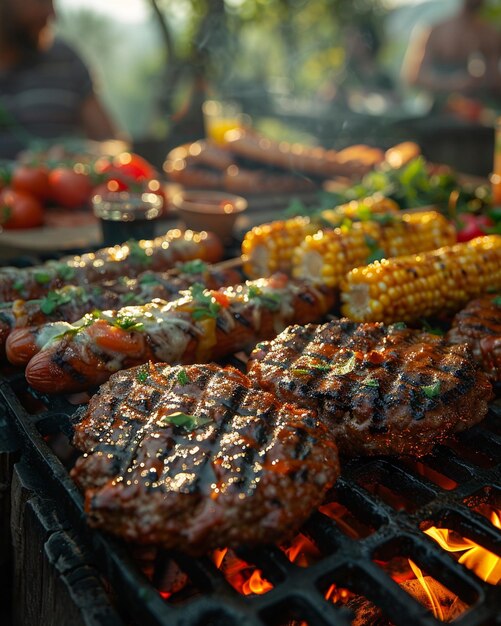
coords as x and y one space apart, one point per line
31 179
471 226
19 210
69 189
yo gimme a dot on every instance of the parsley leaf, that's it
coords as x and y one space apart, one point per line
268 300
183 378
370 382
196 266
127 322
431 391
148 279
18 285
375 252
138 254
345 367
205 306
53 300
142 375
42 278
183 420
65 272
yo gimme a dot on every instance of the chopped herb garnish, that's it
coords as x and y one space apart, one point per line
370 382
399 326
42 278
339 369
431 391
375 252
205 306
183 378
261 345
300 371
65 272
197 266
126 322
138 254
183 420
129 298
18 285
142 375
148 279
268 300
53 300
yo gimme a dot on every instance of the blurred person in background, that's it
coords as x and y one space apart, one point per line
460 56
46 91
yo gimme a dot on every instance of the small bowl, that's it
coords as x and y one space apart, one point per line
215 211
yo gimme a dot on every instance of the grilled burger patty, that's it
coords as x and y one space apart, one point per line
194 458
380 389
479 325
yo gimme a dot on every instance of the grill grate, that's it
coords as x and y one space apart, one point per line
388 503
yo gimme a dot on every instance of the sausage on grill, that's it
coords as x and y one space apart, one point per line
381 389
194 458
20 321
201 326
129 259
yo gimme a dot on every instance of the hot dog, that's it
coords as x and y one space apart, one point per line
202 325
20 321
129 259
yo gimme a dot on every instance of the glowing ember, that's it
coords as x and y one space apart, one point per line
434 602
485 564
301 551
256 584
243 577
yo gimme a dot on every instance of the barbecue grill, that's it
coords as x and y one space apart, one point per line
349 564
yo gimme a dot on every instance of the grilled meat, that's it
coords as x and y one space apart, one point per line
194 458
200 326
381 389
129 259
20 320
479 325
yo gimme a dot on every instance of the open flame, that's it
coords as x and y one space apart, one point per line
243 577
434 601
484 563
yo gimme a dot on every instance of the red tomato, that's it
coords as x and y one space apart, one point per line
127 164
19 209
471 226
31 179
221 298
69 189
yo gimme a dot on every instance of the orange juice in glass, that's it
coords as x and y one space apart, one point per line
496 171
219 117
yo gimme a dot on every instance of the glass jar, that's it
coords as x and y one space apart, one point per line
124 215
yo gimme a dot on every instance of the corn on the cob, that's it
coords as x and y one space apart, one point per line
408 288
376 207
327 256
268 248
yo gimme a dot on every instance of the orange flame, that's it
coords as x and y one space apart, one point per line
435 604
302 551
484 563
256 584
243 577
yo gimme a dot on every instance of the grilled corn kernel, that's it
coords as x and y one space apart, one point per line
268 248
367 241
438 281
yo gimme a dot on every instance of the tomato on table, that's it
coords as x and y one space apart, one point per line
471 226
32 179
70 189
19 210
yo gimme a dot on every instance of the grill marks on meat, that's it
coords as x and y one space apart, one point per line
244 470
381 389
479 326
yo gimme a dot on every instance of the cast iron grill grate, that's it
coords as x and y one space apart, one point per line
372 521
